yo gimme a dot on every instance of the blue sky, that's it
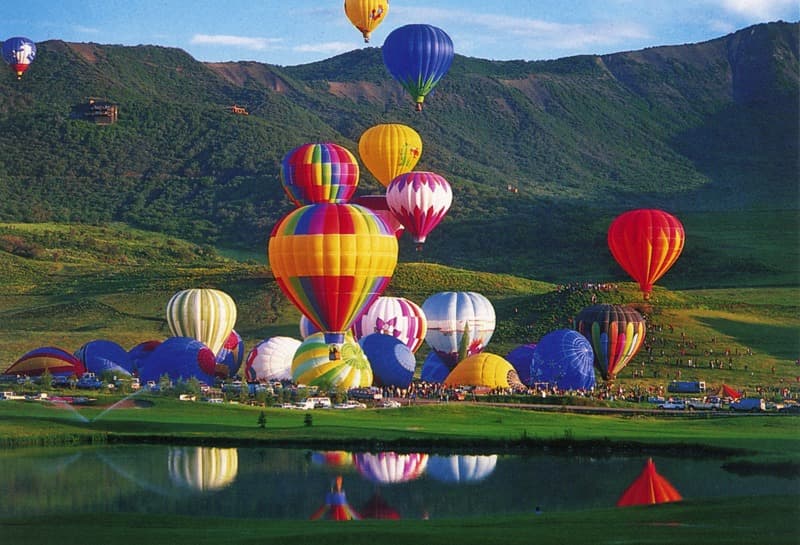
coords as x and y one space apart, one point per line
291 32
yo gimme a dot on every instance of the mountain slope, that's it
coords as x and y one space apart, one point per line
692 128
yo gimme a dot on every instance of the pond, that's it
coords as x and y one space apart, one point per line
278 483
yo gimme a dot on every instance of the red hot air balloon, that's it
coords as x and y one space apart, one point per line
319 173
646 243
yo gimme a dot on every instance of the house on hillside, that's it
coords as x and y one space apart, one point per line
97 111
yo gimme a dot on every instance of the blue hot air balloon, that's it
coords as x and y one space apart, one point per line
521 358
101 355
179 358
434 370
392 362
418 56
564 358
19 52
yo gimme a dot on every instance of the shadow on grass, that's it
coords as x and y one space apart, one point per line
776 340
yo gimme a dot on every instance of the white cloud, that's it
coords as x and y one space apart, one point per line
244 42
761 9
325 47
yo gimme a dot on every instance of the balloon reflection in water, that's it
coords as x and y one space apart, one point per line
390 467
336 506
203 469
338 459
461 469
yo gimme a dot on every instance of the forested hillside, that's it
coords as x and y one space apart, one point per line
707 131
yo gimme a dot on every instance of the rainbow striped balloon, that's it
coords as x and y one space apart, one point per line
332 261
319 173
312 365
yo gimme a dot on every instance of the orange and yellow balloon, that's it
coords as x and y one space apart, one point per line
389 149
332 261
366 15
646 243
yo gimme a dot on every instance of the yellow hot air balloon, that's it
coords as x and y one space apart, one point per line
389 150
207 315
484 369
366 15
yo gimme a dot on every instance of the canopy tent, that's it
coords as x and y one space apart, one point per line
648 488
727 391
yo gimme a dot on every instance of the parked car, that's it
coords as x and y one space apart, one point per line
673 404
390 404
792 408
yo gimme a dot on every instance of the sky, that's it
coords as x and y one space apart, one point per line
292 32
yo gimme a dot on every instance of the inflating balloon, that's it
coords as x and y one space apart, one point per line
392 362
271 359
616 333
56 361
646 243
101 355
563 358
418 56
397 317
313 366
205 314
484 369
180 358
459 324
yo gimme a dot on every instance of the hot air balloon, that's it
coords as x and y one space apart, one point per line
203 469
390 467
336 506
336 459
366 15
378 204
649 488
389 149
332 261
434 370
139 353
306 327
100 355
205 314
484 369
230 356
563 358
271 359
646 243
452 316
313 366
392 362
395 316
419 200
180 358
418 56
19 53
56 361
458 469
319 173
616 333
521 358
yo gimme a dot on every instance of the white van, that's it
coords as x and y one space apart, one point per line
320 402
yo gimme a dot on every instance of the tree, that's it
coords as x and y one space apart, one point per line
308 420
46 379
262 420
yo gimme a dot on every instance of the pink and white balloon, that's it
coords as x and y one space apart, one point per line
396 316
419 200
271 359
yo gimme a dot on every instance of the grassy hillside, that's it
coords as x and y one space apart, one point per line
64 286
699 128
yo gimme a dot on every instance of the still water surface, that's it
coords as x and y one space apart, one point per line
276 483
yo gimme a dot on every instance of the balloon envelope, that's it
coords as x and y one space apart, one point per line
271 359
390 467
392 362
100 355
205 314
378 204
461 469
397 317
203 469
483 369
319 173
313 366
646 243
19 53
521 358
141 352
180 358
230 356
451 316
389 149
418 56
56 361
420 201
564 358
434 370
332 261
616 333
366 15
